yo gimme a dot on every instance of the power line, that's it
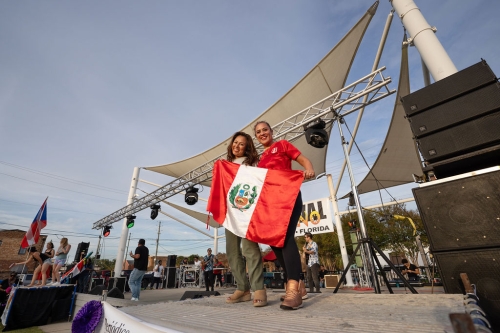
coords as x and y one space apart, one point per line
67 210
50 175
60 188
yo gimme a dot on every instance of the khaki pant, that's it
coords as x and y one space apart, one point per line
236 248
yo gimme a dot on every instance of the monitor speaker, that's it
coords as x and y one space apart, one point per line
170 274
96 282
115 293
331 281
120 284
482 268
193 294
97 290
82 247
461 213
453 86
171 260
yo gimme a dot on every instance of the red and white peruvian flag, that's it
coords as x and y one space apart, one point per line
75 270
254 203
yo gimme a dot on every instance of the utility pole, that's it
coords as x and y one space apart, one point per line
157 241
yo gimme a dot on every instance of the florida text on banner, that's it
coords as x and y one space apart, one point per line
254 203
316 217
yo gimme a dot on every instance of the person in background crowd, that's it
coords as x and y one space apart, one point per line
61 257
140 267
322 273
241 150
208 272
39 258
279 156
311 249
410 269
158 274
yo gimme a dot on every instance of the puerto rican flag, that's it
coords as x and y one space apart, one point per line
254 203
33 233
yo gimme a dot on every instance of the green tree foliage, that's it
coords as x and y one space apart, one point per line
388 233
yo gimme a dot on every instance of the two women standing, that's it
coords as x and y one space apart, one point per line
278 155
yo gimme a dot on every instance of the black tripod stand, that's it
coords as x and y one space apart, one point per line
373 247
365 242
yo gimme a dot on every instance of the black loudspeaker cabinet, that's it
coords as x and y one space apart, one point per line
461 139
120 284
97 290
170 274
82 247
483 270
171 260
115 293
193 294
461 213
462 109
453 86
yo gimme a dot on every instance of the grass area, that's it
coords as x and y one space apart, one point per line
33 329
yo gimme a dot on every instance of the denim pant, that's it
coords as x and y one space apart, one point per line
134 282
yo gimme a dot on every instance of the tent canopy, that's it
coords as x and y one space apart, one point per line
327 77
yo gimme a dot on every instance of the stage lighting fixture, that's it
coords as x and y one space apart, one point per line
130 221
154 211
106 231
316 136
352 225
191 196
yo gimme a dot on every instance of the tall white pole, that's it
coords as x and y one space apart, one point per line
422 35
340 232
216 241
120 255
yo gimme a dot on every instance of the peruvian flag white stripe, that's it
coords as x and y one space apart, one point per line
254 203
238 220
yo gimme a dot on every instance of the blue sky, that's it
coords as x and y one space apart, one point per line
89 90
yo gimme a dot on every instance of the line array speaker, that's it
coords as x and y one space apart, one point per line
483 270
171 260
461 139
462 213
464 108
82 247
451 87
170 273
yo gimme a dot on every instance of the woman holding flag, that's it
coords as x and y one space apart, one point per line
242 151
278 155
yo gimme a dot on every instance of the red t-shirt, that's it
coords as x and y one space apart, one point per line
279 156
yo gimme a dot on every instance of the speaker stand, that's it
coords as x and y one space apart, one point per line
373 247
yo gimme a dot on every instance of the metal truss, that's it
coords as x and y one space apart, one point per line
340 103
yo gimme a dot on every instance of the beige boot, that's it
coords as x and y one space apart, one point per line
239 296
303 291
293 297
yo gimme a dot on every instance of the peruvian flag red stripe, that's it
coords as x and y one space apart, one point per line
39 222
75 270
254 203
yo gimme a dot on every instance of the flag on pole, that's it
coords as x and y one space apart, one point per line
254 203
78 268
33 233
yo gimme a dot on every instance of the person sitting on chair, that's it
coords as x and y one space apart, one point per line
410 269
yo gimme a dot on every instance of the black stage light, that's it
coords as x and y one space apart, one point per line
106 231
130 221
352 225
352 202
154 211
316 136
191 196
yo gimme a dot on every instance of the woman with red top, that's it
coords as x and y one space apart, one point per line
278 156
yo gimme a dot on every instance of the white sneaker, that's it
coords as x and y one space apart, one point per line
134 299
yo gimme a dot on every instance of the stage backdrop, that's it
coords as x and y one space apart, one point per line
316 217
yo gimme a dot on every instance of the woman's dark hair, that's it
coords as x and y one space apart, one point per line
250 152
33 249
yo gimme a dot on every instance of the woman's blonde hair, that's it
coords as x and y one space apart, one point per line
64 242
